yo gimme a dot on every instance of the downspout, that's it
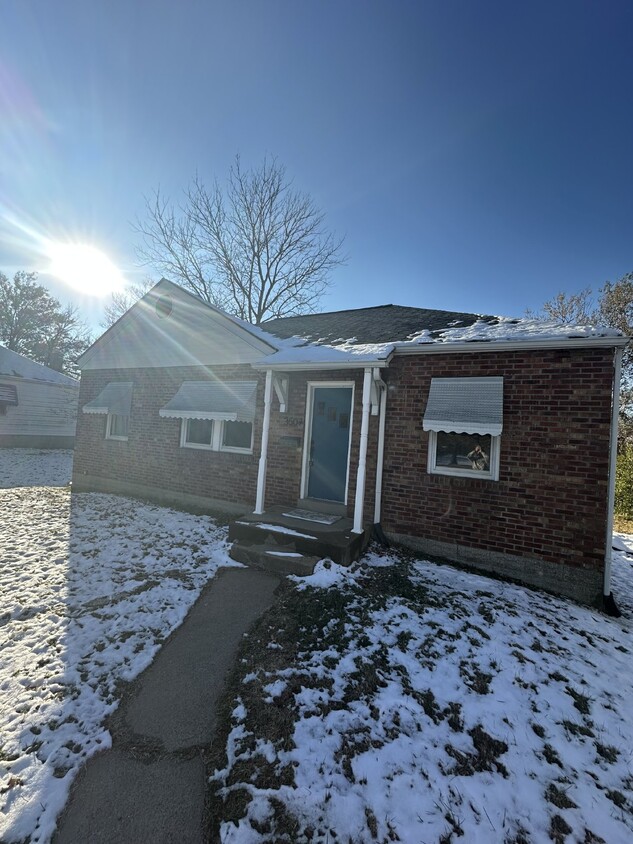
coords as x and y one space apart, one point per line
263 457
380 456
362 455
608 600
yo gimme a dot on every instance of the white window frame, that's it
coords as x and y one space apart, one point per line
491 475
233 448
109 434
216 439
204 446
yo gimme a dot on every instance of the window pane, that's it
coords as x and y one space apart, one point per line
199 431
119 425
463 451
237 434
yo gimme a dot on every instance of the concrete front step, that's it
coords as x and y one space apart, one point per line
337 541
274 558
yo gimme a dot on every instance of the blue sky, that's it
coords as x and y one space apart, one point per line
477 156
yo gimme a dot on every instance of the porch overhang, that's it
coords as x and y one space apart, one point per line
318 366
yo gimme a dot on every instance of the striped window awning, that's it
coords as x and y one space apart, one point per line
9 395
465 405
229 400
115 398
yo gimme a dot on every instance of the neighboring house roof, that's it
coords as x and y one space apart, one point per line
381 324
13 365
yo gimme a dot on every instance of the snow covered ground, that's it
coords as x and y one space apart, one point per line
89 588
35 467
407 701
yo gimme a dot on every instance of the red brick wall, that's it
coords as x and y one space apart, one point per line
550 500
152 455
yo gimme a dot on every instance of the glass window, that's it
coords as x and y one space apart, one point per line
117 426
199 432
464 454
238 435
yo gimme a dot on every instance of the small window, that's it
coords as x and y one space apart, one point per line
237 436
464 455
197 433
118 426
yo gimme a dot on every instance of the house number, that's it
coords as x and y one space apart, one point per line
291 421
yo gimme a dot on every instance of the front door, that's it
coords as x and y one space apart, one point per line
329 443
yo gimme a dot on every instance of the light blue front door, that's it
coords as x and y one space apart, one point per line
329 445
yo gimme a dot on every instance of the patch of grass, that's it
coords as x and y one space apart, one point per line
372 823
556 675
607 752
559 829
538 729
476 679
551 755
622 524
485 758
578 729
581 702
558 797
618 798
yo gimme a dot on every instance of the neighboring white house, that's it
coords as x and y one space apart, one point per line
38 406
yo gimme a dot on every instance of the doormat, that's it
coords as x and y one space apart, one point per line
311 516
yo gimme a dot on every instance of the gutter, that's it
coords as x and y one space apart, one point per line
510 345
610 606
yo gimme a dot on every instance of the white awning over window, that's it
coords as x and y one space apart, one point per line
115 398
465 405
230 400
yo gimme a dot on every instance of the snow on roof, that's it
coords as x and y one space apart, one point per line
13 365
298 351
506 329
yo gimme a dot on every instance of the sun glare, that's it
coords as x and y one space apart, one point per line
84 268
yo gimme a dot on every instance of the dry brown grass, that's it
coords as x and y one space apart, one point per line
622 524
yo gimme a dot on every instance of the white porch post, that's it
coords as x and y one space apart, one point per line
380 457
362 455
261 474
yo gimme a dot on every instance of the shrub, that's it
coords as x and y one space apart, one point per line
624 483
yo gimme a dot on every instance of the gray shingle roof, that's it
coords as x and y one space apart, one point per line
381 324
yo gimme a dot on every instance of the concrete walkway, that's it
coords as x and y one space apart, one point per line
150 787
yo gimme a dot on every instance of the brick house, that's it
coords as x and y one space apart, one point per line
482 440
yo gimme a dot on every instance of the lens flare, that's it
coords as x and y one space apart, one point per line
84 268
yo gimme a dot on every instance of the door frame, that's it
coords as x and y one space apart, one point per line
305 463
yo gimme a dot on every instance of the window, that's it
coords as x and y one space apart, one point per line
115 403
117 428
237 436
464 455
197 433
464 418
222 411
217 435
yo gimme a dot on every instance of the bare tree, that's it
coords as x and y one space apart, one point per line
122 301
573 308
256 248
35 324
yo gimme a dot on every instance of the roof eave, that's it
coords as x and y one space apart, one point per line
474 346
305 366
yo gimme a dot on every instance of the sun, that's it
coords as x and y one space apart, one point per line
84 268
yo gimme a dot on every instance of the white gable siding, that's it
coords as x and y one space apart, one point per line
192 334
44 409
